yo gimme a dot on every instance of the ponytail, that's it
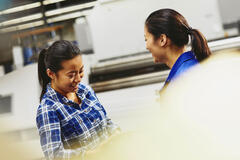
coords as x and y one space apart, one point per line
42 74
199 45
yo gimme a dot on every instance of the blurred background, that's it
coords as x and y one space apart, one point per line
110 34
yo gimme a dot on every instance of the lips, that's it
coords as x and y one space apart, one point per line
75 87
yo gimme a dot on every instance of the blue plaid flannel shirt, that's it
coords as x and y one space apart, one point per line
68 129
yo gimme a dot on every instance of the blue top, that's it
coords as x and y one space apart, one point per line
183 63
68 129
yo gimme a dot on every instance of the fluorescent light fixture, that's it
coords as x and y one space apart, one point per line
46 2
70 9
22 19
69 16
20 8
23 26
65 17
106 1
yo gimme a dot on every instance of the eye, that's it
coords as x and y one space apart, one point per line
71 75
81 71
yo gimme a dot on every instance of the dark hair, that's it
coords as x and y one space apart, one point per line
174 26
52 58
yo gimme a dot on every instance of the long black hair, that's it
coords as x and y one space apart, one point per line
174 26
52 58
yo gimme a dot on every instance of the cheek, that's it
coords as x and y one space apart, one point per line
66 81
148 44
151 45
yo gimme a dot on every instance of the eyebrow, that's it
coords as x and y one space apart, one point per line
74 71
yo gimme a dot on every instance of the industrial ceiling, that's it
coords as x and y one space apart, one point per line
18 16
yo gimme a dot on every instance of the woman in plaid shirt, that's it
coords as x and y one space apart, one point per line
70 118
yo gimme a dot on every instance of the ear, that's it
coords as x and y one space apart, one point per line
50 74
163 40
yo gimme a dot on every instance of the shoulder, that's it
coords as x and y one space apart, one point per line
47 104
188 60
87 93
47 111
84 89
189 63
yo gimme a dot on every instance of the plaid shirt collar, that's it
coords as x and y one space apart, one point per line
50 92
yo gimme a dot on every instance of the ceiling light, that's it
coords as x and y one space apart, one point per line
46 2
69 9
22 19
106 1
65 17
23 26
20 8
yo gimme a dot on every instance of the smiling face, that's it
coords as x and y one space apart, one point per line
67 79
155 46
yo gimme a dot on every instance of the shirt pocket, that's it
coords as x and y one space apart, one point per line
72 128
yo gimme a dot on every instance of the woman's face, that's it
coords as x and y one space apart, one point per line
153 46
67 79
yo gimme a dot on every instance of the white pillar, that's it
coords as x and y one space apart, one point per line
17 57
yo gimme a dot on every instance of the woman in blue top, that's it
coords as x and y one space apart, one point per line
70 118
167 35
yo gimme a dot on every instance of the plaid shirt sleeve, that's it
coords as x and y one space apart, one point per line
50 134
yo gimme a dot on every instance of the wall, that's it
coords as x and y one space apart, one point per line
22 84
229 10
128 107
5 48
20 125
67 33
118 27
83 35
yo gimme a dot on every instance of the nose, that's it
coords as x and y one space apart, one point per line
146 46
78 77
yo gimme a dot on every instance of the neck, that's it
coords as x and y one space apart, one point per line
72 96
60 91
173 54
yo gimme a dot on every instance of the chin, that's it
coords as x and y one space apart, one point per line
157 60
75 90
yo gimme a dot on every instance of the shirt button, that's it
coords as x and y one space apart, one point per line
80 121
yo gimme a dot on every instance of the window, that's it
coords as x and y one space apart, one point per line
5 104
229 10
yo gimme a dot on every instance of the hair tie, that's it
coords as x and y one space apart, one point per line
189 30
